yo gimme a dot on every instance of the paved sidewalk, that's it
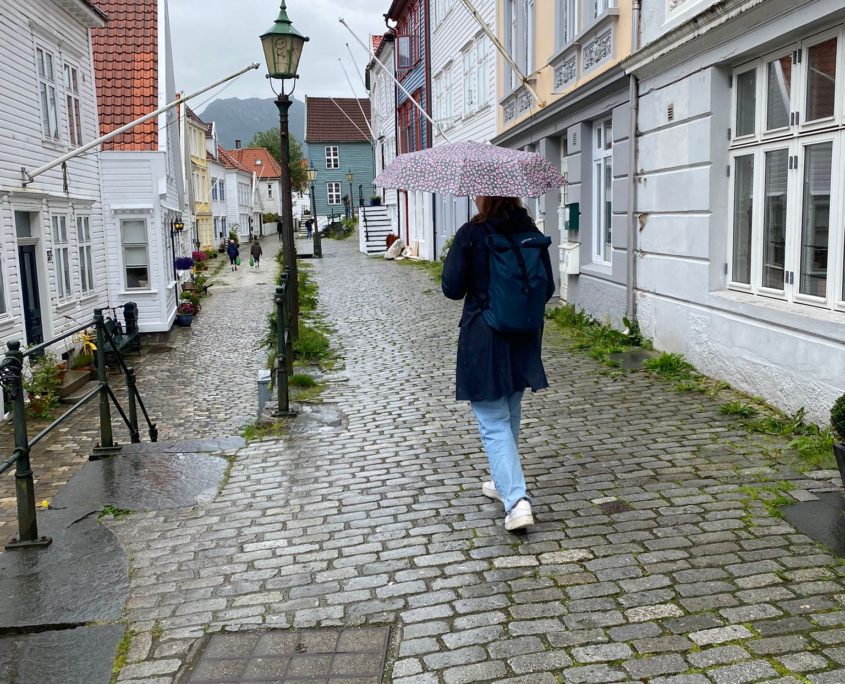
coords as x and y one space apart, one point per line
204 387
647 563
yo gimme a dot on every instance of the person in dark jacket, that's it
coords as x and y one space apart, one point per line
255 252
233 252
494 368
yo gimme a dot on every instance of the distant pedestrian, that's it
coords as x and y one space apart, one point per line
345 200
309 227
255 253
279 229
234 254
511 284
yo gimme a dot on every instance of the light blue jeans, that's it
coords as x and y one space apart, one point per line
498 422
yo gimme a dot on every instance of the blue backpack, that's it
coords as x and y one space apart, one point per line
518 281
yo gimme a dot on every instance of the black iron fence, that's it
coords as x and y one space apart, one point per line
109 343
285 292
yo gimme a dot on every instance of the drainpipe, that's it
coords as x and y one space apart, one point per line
633 232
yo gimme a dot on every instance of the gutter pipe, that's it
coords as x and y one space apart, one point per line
634 105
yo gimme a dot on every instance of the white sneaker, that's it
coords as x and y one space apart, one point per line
519 517
489 489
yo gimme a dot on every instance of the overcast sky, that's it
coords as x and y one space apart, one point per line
214 38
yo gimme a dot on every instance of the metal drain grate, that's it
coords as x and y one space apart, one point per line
328 656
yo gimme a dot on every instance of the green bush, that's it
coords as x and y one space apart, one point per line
301 380
43 385
837 418
738 408
670 365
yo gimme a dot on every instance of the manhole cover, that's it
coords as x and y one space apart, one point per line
321 655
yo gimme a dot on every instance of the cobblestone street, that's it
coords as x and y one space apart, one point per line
648 561
201 384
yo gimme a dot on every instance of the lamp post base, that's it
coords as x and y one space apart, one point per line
39 543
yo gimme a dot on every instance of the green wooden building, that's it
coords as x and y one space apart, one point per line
338 139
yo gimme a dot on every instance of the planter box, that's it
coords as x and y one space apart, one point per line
184 320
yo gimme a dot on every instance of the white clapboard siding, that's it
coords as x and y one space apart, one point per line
24 25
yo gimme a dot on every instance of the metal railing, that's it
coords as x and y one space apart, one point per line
283 367
363 212
11 379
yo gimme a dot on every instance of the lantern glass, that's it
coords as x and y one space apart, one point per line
312 174
349 176
178 226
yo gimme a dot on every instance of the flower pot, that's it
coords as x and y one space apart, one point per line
184 320
375 202
839 453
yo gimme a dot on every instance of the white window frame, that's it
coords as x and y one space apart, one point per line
145 244
470 80
512 30
602 159
795 139
332 157
214 189
333 193
46 65
85 252
568 21
73 103
482 55
61 257
221 189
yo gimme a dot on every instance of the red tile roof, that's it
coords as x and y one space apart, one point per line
126 69
267 167
337 119
375 43
229 161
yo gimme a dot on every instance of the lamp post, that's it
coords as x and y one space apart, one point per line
311 172
176 226
350 177
282 45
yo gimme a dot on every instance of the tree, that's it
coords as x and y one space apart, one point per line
269 140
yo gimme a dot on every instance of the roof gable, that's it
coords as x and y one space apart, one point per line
257 160
337 119
126 71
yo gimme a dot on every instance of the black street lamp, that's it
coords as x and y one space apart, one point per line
176 227
311 172
282 45
350 177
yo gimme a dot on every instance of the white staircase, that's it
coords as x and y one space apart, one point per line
373 228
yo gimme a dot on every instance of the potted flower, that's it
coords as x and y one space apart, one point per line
375 200
183 263
185 313
42 386
837 424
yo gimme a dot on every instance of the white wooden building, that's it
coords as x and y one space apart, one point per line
52 246
240 207
463 67
143 193
219 207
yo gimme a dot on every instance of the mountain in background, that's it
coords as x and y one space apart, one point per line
238 119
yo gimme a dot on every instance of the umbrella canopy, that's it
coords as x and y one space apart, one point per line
472 169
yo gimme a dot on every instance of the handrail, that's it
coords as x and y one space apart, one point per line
11 379
284 344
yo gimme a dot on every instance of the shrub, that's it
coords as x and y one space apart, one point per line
186 309
837 418
199 256
43 384
192 298
183 263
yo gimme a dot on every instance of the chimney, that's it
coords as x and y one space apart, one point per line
237 144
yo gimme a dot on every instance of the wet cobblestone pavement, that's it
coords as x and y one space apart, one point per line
649 560
202 384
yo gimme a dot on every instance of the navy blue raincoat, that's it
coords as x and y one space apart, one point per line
490 364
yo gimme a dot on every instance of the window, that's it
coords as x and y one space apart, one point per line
133 235
86 263
476 74
74 118
270 190
333 192
519 39
512 24
441 9
214 188
602 191
223 230
221 189
243 193
567 17
47 93
332 157
601 6
408 40
61 256
444 112
787 235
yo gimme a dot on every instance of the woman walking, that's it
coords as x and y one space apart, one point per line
234 253
255 252
494 368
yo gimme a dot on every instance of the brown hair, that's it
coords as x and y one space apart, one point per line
495 207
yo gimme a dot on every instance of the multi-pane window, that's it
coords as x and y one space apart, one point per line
243 193
788 136
444 112
136 263
567 17
269 190
441 9
333 192
601 6
512 28
86 263
74 118
602 191
332 157
214 189
46 65
61 256
408 39
519 39
221 189
476 75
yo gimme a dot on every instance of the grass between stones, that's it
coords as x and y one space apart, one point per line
121 654
113 512
813 445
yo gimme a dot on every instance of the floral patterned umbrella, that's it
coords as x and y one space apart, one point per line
472 169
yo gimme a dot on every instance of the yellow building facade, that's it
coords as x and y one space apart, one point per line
198 132
570 52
